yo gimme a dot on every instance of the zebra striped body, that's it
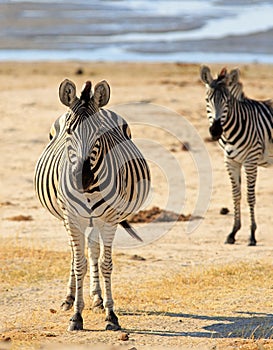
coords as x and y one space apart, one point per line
243 128
91 175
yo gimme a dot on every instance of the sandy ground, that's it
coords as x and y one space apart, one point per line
172 110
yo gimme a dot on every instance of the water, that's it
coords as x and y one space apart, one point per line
137 30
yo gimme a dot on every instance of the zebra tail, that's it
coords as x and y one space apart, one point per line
132 232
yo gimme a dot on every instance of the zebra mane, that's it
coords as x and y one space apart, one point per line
237 92
220 80
269 103
222 75
86 92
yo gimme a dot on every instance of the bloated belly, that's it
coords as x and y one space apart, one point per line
116 201
46 184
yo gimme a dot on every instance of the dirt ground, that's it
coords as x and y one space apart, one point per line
183 288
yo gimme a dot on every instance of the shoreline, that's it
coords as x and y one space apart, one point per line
229 49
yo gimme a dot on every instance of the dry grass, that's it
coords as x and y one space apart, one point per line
20 265
230 294
218 288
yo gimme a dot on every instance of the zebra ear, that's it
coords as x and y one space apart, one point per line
233 77
205 75
102 93
67 92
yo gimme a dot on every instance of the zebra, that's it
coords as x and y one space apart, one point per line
243 128
92 177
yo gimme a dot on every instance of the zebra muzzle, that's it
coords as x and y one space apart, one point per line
216 129
77 178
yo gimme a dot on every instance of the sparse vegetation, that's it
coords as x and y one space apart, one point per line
19 265
229 294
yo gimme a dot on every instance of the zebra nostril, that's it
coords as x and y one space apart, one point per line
216 130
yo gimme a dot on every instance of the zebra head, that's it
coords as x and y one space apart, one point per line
218 96
82 123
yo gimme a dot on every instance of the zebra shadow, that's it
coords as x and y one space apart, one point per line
246 325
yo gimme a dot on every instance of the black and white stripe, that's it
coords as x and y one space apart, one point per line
91 175
243 128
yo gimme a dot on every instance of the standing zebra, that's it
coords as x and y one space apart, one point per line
243 128
91 174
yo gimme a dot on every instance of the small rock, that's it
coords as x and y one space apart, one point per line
123 336
224 211
53 311
185 146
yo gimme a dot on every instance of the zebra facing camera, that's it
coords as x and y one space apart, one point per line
243 128
93 175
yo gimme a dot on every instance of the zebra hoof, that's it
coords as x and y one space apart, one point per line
112 322
76 323
112 327
230 240
252 243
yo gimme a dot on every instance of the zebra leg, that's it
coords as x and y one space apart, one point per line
71 287
234 171
107 232
251 176
94 253
77 240
106 269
